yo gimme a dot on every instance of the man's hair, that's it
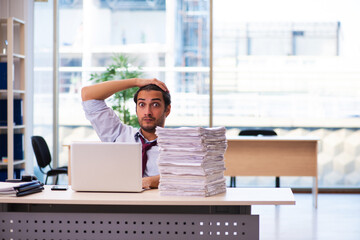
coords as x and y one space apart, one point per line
166 95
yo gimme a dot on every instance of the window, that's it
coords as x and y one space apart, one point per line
91 32
43 75
292 68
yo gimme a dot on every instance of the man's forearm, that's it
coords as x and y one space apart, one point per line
103 90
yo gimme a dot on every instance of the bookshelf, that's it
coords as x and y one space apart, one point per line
12 94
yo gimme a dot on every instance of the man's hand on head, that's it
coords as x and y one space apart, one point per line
150 182
146 81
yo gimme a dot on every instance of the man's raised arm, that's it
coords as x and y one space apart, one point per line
103 90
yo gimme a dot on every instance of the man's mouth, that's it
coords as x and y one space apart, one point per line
148 119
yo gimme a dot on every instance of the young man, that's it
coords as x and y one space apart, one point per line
153 105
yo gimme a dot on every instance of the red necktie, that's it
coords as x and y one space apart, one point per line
145 148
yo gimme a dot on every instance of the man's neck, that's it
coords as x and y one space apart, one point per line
150 136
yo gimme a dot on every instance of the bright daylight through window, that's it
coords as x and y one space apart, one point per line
291 66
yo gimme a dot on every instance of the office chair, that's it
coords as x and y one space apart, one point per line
256 132
43 158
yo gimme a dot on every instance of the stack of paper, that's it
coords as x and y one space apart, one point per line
191 161
20 188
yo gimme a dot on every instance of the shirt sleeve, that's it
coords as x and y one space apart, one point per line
106 123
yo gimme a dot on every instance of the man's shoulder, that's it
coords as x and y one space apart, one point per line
127 134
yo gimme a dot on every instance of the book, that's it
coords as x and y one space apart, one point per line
20 188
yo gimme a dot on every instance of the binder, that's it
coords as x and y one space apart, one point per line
3 75
31 191
18 112
21 188
18 146
29 188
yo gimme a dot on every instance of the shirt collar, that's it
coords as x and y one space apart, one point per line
138 134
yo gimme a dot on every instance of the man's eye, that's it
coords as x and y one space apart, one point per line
156 104
141 104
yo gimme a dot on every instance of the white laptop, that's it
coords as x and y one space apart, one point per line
106 167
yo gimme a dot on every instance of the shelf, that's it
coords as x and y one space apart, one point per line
19 91
15 55
15 127
13 29
14 91
15 20
20 56
16 162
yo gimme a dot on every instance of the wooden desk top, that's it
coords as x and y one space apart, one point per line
272 138
233 196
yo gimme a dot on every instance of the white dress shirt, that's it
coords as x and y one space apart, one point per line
109 128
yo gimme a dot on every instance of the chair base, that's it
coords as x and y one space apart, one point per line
233 182
277 182
54 175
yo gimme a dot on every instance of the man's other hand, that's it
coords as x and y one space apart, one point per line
150 182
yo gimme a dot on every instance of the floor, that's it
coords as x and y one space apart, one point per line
336 218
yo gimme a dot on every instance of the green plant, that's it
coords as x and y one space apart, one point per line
121 68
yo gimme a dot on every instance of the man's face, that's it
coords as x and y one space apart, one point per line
150 110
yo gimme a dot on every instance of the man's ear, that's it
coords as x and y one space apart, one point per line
168 110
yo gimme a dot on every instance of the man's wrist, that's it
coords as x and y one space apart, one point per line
136 82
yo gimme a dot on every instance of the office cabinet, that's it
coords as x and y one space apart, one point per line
12 94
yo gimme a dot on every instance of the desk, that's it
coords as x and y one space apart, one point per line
273 156
146 215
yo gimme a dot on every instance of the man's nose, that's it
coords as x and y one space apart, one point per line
148 110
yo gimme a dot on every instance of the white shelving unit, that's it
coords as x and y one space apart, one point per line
13 31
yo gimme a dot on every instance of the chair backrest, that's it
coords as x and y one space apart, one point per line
257 132
41 151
